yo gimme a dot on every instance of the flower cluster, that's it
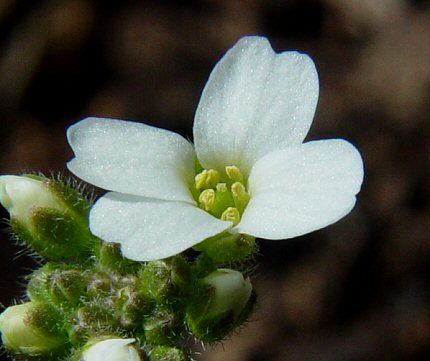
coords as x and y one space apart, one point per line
118 281
93 303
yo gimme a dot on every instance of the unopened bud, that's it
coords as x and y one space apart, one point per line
222 303
63 286
161 279
88 319
22 335
160 327
22 195
231 292
167 353
110 257
112 349
47 215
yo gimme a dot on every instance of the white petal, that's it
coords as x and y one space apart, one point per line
150 229
302 189
254 102
132 158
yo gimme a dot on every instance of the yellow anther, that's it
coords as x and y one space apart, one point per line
234 173
207 199
231 214
240 196
209 178
239 191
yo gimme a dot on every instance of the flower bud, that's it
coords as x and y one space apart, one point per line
19 195
62 286
167 353
109 257
87 320
47 215
21 333
231 292
223 300
129 306
112 349
161 327
163 278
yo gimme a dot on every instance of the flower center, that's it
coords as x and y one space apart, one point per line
225 197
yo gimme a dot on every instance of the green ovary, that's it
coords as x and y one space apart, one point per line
225 197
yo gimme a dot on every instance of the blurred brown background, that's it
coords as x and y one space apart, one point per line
356 291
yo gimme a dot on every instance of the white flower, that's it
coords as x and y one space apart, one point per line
113 349
259 178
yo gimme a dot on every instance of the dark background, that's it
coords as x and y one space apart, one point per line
356 291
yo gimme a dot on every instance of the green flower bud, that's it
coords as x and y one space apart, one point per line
61 285
222 301
89 320
110 258
48 216
130 306
161 327
167 353
161 279
24 331
99 284
112 349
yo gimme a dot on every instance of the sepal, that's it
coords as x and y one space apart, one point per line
228 247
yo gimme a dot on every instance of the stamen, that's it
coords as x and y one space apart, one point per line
207 199
240 196
234 173
231 214
209 178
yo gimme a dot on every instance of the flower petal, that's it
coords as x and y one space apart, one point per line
132 158
150 229
301 189
255 101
